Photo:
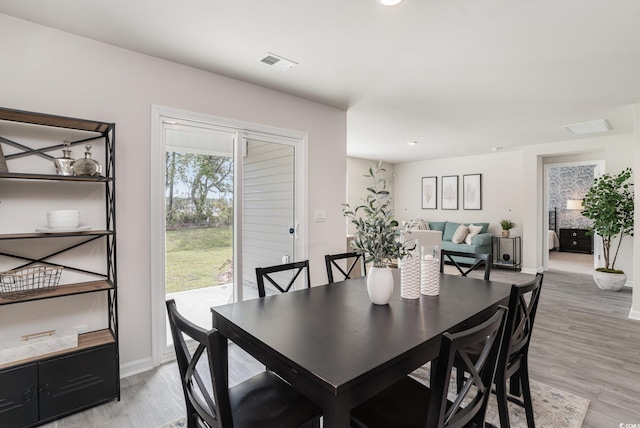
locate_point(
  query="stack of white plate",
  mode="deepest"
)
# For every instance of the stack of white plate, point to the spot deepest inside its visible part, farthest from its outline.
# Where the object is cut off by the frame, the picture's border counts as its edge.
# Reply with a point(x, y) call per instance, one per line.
point(63, 219)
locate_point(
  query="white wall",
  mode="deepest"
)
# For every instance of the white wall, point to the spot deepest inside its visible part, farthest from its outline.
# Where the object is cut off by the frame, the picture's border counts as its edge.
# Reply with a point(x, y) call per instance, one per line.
point(501, 189)
point(635, 305)
point(49, 71)
point(357, 183)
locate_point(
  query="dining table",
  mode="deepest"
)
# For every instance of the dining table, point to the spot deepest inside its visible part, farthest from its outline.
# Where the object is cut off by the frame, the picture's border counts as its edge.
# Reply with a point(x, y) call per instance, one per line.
point(339, 349)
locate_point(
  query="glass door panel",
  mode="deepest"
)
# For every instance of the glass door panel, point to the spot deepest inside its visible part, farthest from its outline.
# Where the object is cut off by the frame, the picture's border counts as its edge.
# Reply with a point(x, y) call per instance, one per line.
point(268, 209)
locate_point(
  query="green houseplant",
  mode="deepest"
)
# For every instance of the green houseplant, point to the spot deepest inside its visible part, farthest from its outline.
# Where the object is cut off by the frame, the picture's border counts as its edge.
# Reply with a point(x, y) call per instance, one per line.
point(609, 204)
point(376, 232)
point(506, 226)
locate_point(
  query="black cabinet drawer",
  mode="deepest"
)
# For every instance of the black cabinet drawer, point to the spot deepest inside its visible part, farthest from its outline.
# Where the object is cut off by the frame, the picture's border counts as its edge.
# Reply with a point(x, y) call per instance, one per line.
point(576, 241)
point(79, 380)
point(19, 396)
point(574, 233)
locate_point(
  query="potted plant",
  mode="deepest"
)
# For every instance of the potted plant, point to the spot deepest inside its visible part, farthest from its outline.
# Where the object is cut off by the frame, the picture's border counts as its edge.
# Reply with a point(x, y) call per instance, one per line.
point(506, 226)
point(377, 236)
point(609, 204)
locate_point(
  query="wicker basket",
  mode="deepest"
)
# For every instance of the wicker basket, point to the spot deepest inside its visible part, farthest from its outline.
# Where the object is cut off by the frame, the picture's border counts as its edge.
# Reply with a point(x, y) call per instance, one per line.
point(28, 281)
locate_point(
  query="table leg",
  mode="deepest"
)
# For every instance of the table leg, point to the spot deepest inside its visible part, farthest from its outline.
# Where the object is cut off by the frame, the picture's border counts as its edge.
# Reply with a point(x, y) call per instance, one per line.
point(336, 413)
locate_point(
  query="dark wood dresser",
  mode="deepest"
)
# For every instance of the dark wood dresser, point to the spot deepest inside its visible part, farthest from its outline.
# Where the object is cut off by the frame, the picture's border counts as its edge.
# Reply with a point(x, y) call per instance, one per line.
point(576, 241)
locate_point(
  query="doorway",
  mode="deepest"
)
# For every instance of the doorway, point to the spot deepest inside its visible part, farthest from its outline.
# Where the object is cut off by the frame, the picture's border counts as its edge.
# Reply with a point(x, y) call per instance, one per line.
point(566, 185)
point(227, 198)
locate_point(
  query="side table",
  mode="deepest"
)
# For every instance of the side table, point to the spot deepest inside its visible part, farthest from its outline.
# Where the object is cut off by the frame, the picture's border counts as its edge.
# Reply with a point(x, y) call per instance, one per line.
point(509, 259)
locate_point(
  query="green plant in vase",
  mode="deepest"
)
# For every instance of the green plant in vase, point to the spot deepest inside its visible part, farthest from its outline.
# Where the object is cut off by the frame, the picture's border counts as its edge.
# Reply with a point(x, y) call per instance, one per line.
point(609, 204)
point(506, 226)
point(377, 235)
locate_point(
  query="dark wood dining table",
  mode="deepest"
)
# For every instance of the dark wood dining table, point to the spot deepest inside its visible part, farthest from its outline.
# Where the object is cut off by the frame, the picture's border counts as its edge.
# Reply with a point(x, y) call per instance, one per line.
point(332, 344)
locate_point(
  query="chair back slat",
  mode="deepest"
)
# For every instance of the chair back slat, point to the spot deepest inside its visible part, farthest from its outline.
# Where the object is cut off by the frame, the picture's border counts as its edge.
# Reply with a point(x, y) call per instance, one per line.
point(354, 259)
point(522, 313)
point(488, 335)
point(448, 256)
point(297, 268)
point(212, 407)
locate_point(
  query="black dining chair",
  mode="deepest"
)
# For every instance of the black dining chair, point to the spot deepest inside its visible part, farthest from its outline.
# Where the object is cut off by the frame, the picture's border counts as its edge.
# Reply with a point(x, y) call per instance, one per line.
point(447, 256)
point(408, 403)
point(513, 364)
point(353, 259)
point(296, 269)
point(264, 400)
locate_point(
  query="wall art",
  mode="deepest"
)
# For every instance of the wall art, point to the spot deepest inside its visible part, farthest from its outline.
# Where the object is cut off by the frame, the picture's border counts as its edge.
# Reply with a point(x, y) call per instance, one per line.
point(472, 192)
point(450, 192)
point(429, 193)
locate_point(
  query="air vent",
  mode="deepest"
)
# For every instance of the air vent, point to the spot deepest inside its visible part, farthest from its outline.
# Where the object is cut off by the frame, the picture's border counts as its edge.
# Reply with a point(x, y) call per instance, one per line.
point(278, 62)
point(583, 128)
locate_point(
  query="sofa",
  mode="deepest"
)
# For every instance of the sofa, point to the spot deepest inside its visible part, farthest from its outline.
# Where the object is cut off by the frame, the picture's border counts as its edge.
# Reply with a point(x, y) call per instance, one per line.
point(479, 243)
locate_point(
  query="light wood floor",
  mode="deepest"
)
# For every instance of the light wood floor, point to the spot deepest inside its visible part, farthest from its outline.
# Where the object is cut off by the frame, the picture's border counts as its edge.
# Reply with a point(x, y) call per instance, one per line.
point(583, 343)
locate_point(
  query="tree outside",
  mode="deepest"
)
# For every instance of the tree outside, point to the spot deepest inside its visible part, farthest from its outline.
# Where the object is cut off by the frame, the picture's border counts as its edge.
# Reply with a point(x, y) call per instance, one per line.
point(199, 219)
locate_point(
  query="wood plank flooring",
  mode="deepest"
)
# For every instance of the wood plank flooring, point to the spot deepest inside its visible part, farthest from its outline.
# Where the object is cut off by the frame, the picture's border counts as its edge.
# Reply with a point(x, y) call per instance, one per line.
point(583, 343)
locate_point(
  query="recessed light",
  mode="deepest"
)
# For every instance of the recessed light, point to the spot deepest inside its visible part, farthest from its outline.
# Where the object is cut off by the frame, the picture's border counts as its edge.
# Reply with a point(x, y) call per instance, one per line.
point(412, 143)
point(497, 149)
point(389, 2)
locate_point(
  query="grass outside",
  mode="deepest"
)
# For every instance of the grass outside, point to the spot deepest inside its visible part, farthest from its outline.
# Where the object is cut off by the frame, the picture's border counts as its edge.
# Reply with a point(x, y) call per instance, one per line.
point(197, 258)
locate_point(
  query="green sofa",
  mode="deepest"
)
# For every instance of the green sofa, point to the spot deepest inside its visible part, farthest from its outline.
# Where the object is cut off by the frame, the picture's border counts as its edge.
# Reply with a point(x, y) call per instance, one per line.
point(481, 243)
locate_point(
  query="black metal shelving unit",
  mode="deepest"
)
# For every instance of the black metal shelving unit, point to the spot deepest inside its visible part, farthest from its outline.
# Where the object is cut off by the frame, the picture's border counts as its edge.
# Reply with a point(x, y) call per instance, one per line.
point(41, 389)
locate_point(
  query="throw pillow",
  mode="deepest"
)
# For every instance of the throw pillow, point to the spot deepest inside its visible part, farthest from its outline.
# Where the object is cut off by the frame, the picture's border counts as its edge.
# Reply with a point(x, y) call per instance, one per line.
point(473, 231)
point(422, 225)
point(460, 234)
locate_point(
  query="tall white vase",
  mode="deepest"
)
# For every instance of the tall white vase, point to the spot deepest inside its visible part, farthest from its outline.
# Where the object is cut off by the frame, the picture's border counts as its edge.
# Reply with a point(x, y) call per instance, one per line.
point(380, 285)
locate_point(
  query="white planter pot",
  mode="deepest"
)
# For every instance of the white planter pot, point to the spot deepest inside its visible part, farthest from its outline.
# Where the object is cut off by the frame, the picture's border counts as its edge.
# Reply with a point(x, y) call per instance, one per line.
point(609, 281)
point(380, 285)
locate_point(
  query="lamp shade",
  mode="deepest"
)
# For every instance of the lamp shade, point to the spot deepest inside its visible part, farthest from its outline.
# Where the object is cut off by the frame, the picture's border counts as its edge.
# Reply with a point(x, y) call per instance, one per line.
point(574, 204)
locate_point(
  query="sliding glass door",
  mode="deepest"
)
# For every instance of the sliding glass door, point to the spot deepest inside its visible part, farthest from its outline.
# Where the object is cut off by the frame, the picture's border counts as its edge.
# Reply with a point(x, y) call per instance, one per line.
point(227, 200)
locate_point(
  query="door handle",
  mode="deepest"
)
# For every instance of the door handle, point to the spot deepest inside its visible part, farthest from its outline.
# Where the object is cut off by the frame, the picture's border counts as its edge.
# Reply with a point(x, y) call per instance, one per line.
point(293, 230)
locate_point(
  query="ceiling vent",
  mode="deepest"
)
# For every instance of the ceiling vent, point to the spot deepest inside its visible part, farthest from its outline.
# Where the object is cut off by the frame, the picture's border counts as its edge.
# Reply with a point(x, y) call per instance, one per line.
point(593, 127)
point(278, 62)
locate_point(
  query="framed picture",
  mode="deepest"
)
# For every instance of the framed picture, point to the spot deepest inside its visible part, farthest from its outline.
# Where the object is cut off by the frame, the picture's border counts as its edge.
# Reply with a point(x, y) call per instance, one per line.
point(429, 193)
point(472, 192)
point(450, 192)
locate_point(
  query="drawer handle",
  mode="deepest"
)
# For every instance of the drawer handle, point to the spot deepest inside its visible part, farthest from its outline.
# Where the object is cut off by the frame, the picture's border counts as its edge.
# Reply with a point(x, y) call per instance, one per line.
point(575, 234)
point(29, 395)
point(574, 243)
point(44, 391)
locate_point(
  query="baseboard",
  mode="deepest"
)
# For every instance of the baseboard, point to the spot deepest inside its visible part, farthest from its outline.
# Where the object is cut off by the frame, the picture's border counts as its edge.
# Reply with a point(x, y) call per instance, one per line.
point(135, 367)
point(634, 314)
point(530, 271)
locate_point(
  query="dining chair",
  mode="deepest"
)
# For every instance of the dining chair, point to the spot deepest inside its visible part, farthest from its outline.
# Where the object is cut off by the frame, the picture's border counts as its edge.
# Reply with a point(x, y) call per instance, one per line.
point(264, 400)
point(353, 259)
point(447, 256)
point(409, 403)
point(513, 364)
point(296, 268)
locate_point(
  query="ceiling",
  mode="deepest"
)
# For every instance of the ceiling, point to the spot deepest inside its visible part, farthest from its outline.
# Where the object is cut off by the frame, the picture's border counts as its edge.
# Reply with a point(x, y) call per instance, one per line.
point(457, 76)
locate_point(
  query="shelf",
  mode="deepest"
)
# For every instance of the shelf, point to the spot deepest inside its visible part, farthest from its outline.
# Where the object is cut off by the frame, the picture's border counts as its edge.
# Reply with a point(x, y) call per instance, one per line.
point(53, 120)
point(503, 263)
point(36, 235)
point(62, 290)
point(52, 177)
point(85, 341)
point(96, 355)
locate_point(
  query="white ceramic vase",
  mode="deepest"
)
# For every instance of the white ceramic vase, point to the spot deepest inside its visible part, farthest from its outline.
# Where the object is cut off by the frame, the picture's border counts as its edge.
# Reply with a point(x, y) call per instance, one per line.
point(609, 281)
point(380, 285)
